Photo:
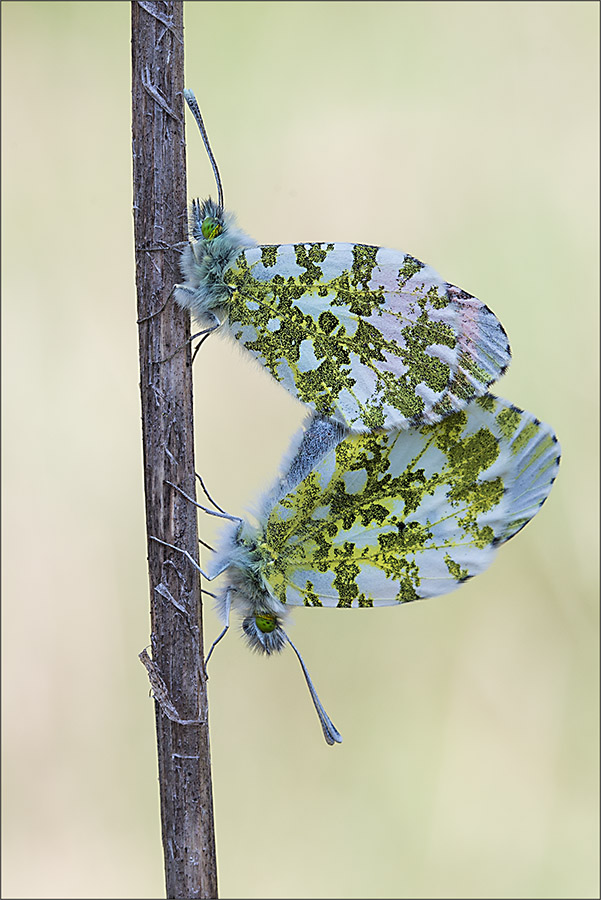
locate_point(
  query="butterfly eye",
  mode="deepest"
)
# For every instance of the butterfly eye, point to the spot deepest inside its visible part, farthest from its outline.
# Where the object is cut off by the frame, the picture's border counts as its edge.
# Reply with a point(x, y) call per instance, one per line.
point(211, 228)
point(264, 633)
point(266, 624)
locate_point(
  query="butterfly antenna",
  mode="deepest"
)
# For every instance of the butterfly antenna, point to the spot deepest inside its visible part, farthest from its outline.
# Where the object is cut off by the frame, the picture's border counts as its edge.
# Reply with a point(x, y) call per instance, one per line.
point(195, 110)
point(330, 732)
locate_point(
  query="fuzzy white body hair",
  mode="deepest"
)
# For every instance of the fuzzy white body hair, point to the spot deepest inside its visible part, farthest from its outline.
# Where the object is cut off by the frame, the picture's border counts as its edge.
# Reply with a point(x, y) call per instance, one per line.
point(239, 550)
point(204, 262)
point(239, 545)
point(312, 441)
point(244, 560)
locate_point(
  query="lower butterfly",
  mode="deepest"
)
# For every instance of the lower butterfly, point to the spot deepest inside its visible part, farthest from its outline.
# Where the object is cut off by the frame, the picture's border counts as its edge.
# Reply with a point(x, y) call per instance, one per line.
point(364, 335)
point(384, 518)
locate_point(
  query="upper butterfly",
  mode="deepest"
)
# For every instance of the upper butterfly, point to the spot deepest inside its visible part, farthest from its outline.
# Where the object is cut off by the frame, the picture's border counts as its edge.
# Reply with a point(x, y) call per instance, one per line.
point(366, 336)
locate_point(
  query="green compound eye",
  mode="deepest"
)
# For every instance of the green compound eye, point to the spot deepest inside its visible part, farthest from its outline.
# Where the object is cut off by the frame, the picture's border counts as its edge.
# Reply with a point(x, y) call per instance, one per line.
point(266, 624)
point(211, 228)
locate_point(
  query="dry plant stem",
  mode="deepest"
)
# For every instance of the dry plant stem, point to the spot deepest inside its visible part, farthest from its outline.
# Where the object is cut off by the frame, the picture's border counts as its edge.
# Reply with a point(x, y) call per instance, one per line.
point(176, 670)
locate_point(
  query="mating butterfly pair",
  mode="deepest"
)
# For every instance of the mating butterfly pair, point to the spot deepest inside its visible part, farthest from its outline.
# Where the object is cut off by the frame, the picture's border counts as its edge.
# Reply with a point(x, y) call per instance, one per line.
point(409, 474)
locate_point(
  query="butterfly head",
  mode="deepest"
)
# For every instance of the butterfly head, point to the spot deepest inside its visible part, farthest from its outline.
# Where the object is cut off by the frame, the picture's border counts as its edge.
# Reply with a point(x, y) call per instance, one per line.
point(208, 220)
point(264, 633)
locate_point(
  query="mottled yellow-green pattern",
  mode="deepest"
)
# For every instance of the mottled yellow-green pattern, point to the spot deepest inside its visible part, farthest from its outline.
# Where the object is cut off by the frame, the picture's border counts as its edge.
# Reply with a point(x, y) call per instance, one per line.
point(370, 337)
point(390, 517)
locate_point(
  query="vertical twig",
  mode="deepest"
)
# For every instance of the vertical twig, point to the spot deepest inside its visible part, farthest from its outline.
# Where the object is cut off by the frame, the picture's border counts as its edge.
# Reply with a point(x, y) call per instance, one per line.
point(176, 668)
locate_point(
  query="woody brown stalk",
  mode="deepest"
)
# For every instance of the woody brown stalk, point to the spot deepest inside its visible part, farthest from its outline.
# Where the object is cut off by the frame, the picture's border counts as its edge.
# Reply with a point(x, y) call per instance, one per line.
point(176, 669)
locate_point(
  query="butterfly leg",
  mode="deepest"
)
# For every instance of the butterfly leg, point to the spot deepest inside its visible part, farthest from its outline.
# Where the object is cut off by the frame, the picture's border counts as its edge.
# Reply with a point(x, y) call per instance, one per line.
point(206, 331)
point(203, 335)
point(210, 512)
point(227, 608)
point(158, 312)
point(190, 558)
point(207, 495)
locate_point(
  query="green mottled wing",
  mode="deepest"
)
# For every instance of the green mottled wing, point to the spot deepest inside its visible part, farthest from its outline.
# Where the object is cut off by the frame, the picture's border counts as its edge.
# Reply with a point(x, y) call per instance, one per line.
point(366, 336)
point(390, 517)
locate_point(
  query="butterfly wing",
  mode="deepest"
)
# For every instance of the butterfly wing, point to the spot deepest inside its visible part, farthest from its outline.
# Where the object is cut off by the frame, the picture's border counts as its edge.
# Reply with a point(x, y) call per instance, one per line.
point(390, 517)
point(369, 337)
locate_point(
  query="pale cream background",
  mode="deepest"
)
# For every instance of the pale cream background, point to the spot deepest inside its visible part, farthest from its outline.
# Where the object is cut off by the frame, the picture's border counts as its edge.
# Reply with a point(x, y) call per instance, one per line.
point(464, 133)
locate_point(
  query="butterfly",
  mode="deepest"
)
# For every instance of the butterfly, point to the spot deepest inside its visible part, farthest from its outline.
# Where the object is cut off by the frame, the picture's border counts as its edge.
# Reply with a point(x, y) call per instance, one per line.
point(367, 336)
point(382, 518)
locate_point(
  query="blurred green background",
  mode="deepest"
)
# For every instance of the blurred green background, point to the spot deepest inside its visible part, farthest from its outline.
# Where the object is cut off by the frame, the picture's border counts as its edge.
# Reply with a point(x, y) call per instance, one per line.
point(464, 133)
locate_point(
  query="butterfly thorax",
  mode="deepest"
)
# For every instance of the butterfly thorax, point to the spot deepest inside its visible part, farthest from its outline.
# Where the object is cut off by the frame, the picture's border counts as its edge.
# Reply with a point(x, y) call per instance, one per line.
point(262, 622)
point(247, 582)
point(215, 242)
